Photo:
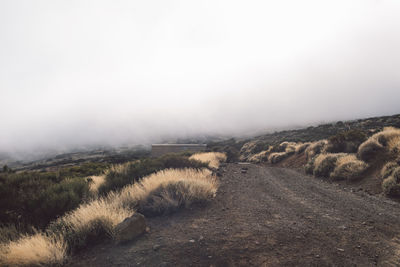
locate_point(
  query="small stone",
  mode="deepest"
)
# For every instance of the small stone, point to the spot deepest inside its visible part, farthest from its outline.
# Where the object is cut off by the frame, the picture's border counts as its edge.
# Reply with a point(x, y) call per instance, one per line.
point(156, 247)
point(210, 257)
point(340, 249)
point(192, 241)
point(201, 238)
point(317, 256)
point(257, 243)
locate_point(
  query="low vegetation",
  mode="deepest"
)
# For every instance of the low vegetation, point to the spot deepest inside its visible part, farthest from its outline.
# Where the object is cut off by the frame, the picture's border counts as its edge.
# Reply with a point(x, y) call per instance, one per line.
point(213, 159)
point(348, 167)
point(386, 141)
point(162, 192)
point(120, 175)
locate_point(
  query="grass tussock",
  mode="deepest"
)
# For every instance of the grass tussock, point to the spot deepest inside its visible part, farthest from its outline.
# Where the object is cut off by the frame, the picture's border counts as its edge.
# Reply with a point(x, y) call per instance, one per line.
point(158, 193)
point(391, 185)
point(315, 148)
point(277, 157)
point(301, 147)
point(348, 167)
point(261, 157)
point(168, 190)
point(324, 164)
point(95, 182)
point(36, 250)
point(388, 169)
point(388, 141)
point(213, 159)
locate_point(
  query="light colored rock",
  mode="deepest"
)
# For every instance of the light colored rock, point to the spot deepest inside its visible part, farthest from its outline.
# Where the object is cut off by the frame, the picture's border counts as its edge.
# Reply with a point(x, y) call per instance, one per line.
point(130, 228)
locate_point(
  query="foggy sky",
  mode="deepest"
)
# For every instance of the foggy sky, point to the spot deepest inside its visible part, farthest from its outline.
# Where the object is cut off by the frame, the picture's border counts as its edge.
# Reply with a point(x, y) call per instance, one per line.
point(79, 72)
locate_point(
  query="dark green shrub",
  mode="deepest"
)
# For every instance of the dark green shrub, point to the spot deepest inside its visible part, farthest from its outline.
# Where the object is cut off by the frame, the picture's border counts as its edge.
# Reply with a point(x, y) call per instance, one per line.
point(347, 142)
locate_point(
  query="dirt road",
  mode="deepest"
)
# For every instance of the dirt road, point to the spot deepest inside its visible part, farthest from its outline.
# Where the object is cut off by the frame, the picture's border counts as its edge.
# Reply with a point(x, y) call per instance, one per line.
point(266, 217)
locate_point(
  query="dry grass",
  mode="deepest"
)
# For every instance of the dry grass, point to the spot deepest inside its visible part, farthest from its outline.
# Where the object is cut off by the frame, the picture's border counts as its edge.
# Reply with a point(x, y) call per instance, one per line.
point(277, 157)
point(36, 250)
point(157, 193)
point(260, 157)
point(95, 183)
point(348, 167)
point(324, 164)
point(315, 148)
point(212, 158)
point(387, 140)
point(388, 169)
point(167, 190)
point(391, 185)
point(301, 147)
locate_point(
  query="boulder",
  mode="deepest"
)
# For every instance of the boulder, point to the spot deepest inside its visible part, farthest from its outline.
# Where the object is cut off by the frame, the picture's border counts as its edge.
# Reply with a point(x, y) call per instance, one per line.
point(130, 228)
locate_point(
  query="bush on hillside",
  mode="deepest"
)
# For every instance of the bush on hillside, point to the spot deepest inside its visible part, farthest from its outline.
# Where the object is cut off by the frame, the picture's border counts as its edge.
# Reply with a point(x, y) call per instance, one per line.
point(348, 167)
point(315, 148)
point(277, 157)
point(324, 164)
point(391, 185)
point(388, 169)
point(387, 141)
point(301, 147)
point(213, 159)
point(347, 142)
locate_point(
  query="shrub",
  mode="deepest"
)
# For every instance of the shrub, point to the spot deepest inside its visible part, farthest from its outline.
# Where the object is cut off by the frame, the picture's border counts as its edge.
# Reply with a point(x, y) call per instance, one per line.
point(8, 232)
point(213, 159)
point(347, 141)
point(325, 163)
point(315, 148)
point(369, 149)
point(260, 157)
point(301, 147)
point(388, 140)
point(39, 249)
point(388, 169)
point(167, 190)
point(250, 148)
point(277, 157)
point(391, 185)
point(348, 167)
point(89, 223)
point(95, 182)
point(120, 175)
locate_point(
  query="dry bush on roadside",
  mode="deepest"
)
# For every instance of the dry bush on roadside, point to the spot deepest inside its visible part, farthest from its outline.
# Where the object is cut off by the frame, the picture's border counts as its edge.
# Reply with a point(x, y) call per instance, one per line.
point(90, 222)
point(315, 148)
point(388, 140)
point(348, 167)
point(301, 147)
point(212, 158)
point(388, 169)
point(158, 193)
point(250, 148)
point(36, 250)
point(277, 157)
point(391, 185)
point(167, 190)
point(262, 156)
point(325, 163)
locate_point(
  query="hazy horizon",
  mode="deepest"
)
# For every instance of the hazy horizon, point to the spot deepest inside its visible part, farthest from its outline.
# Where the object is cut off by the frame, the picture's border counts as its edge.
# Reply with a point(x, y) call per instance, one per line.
point(85, 73)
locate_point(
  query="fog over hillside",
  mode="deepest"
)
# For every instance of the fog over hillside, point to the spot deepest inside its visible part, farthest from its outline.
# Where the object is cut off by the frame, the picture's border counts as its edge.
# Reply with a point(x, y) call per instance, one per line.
point(82, 73)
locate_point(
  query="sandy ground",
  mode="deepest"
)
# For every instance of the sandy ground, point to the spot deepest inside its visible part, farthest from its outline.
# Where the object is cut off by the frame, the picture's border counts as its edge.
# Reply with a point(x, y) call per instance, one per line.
point(268, 216)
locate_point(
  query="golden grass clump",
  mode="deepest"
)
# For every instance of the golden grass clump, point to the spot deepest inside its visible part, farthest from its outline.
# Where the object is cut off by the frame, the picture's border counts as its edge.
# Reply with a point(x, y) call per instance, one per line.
point(391, 185)
point(387, 140)
point(277, 157)
point(315, 148)
point(95, 182)
point(167, 190)
point(388, 169)
point(35, 250)
point(348, 167)
point(324, 164)
point(212, 158)
point(260, 157)
point(301, 147)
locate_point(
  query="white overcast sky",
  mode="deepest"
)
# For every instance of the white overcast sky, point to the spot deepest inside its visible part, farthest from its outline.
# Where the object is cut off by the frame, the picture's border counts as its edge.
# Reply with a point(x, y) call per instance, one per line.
point(111, 72)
